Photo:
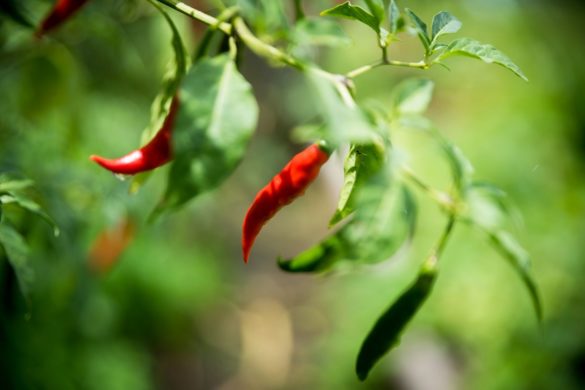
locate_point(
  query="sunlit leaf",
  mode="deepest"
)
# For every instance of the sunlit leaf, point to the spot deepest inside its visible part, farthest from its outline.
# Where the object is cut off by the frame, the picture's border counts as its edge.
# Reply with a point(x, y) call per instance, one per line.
point(393, 17)
point(487, 53)
point(412, 96)
point(354, 12)
point(386, 331)
point(421, 29)
point(510, 249)
point(17, 251)
point(311, 31)
point(7, 184)
point(444, 23)
point(216, 119)
point(345, 121)
point(361, 162)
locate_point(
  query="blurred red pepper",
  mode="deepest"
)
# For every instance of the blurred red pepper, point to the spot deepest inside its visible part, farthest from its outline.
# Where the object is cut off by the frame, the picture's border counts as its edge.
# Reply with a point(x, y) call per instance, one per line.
point(109, 245)
point(61, 11)
point(286, 186)
point(152, 155)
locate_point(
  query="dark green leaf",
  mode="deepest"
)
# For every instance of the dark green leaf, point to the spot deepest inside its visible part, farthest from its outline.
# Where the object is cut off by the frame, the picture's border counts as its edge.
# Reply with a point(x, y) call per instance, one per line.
point(17, 250)
point(349, 11)
point(412, 96)
point(15, 10)
point(324, 32)
point(421, 29)
point(361, 162)
point(507, 245)
point(386, 332)
point(216, 119)
point(444, 23)
point(487, 53)
point(345, 121)
point(30, 205)
point(461, 168)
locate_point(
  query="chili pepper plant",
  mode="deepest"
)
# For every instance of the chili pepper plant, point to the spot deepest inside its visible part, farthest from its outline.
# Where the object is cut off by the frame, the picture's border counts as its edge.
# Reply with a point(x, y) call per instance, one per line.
point(206, 114)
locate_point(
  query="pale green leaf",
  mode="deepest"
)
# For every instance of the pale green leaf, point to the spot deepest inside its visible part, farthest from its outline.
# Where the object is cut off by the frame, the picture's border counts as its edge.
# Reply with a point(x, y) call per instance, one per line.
point(487, 53)
point(311, 31)
point(444, 23)
point(361, 162)
point(354, 12)
point(421, 29)
point(510, 249)
point(412, 96)
point(345, 121)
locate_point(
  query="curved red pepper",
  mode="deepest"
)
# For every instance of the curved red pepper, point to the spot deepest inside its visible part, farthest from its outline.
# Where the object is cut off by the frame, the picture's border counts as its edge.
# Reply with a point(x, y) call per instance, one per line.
point(152, 155)
point(61, 11)
point(286, 186)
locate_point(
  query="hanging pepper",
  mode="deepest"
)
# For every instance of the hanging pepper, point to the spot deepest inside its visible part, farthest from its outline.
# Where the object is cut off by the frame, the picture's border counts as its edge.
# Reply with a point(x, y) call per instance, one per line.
point(154, 154)
point(61, 11)
point(286, 186)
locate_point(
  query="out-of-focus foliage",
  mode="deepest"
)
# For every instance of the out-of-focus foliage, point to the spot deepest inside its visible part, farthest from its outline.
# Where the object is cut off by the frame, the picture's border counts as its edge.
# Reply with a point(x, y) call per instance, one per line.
point(179, 310)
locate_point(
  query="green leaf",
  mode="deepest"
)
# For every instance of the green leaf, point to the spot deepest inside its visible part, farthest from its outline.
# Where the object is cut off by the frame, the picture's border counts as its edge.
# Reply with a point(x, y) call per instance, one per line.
point(354, 12)
point(266, 16)
point(345, 121)
point(216, 119)
point(15, 10)
point(376, 8)
point(8, 185)
point(412, 96)
point(461, 168)
point(510, 249)
point(386, 332)
point(421, 29)
point(311, 31)
point(31, 206)
point(444, 23)
point(17, 251)
point(161, 104)
point(361, 162)
point(384, 218)
point(487, 53)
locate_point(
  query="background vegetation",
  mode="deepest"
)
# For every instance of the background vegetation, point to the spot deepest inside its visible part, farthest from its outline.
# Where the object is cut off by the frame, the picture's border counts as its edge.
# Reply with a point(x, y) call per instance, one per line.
point(180, 309)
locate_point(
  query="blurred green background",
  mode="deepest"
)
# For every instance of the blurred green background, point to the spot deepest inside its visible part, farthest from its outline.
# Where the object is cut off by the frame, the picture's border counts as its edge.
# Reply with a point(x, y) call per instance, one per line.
point(180, 310)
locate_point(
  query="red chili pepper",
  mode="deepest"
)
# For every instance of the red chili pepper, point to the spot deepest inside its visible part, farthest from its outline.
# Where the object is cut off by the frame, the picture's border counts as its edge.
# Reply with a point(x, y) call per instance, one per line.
point(286, 186)
point(61, 11)
point(154, 154)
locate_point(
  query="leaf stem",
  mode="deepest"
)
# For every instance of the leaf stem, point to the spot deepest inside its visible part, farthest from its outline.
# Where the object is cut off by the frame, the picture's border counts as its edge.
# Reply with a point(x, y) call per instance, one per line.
point(261, 48)
point(199, 15)
point(366, 68)
point(442, 198)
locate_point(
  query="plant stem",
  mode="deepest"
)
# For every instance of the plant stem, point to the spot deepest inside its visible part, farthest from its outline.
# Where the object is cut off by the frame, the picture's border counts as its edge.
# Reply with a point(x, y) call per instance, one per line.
point(366, 68)
point(442, 198)
point(199, 15)
point(261, 48)
point(299, 13)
